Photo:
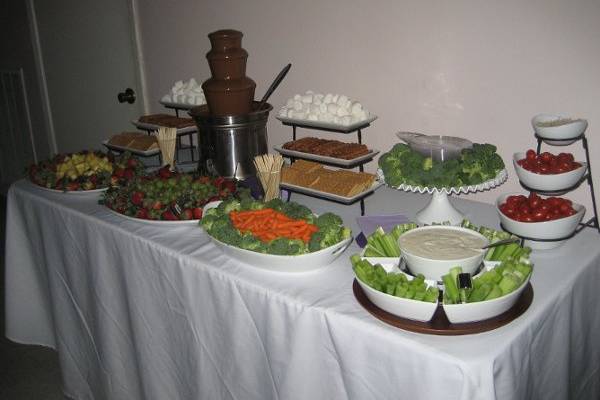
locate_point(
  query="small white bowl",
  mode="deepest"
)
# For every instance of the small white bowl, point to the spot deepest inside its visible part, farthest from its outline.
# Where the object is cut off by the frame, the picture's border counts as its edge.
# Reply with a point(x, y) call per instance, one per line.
point(548, 182)
point(405, 308)
point(546, 230)
point(435, 268)
point(471, 312)
point(570, 130)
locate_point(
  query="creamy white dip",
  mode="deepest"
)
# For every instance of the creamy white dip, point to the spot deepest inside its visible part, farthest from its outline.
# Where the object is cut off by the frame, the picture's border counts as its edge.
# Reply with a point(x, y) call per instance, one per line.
point(441, 243)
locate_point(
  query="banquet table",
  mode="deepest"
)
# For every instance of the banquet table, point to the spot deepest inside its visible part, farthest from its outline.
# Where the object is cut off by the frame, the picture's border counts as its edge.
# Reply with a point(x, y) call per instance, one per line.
point(140, 311)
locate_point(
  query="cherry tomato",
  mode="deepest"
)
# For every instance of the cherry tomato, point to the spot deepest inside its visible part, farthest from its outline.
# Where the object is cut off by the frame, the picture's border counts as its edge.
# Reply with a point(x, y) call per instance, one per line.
point(531, 155)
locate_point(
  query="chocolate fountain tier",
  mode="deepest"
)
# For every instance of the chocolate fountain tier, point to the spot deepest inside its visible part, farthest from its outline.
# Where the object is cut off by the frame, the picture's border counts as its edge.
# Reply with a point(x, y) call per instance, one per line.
point(229, 96)
point(224, 40)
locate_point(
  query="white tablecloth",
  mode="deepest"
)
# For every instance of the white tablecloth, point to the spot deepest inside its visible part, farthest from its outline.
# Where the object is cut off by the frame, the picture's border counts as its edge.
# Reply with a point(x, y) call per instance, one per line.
point(141, 312)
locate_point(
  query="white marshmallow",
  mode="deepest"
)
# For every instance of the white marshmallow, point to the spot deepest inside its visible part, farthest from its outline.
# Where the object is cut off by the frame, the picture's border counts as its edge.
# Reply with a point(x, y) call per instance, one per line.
point(315, 109)
point(283, 112)
point(297, 97)
point(323, 108)
point(341, 101)
point(346, 120)
point(313, 117)
point(290, 103)
point(335, 97)
point(356, 108)
point(309, 92)
point(290, 113)
point(166, 98)
point(341, 111)
point(317, 100)
point(297, 105)
point(332, 108)
point(308, 98)
point(327, 98)
point(336, 120)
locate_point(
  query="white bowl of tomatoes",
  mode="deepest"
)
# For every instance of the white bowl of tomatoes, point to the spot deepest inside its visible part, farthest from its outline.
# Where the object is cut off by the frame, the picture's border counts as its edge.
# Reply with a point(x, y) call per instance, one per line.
point(539, 218)
point(564, 130)
point(548, 172)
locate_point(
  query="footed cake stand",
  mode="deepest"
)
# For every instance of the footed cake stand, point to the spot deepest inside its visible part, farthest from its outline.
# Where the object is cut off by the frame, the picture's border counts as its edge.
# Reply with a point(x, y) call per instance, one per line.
point(439, 209)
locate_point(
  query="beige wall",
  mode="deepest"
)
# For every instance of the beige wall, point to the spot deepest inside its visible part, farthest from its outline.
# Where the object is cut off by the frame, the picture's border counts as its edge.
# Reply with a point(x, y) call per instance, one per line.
point(477, 69)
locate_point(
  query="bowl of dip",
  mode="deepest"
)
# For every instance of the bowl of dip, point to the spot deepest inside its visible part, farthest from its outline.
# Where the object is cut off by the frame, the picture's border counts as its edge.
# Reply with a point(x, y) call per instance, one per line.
point(433, 250)
point(563, 129)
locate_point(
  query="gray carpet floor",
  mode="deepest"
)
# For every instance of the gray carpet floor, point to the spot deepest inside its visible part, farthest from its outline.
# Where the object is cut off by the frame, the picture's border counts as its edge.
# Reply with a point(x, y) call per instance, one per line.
point(26, 372)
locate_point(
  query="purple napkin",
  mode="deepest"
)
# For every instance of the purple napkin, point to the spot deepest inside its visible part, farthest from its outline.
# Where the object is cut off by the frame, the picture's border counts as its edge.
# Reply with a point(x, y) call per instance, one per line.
point(368, 224)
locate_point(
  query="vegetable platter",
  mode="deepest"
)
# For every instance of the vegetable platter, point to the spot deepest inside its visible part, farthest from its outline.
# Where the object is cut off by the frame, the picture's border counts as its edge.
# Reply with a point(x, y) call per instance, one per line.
point(276, 236)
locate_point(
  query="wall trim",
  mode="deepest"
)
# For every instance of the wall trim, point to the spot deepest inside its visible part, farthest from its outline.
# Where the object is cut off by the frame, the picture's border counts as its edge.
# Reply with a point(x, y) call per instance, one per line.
point(39, 66)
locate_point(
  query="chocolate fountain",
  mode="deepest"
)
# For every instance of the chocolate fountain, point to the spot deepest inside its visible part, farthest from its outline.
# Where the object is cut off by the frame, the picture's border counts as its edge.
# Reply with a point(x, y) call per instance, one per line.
point(232, 129)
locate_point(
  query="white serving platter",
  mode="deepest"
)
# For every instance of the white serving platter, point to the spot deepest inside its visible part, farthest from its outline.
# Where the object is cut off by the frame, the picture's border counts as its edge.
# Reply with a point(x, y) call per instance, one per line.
point(330, 196)
point(156, 222)
point(325, 159)
point(144, 153)
point(70, 192)
point(328, 125)
point(154, 127)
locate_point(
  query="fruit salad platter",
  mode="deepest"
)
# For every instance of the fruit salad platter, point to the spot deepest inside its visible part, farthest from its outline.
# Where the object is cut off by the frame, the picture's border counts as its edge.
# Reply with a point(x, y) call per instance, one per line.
point(276, 236)
point(83, 172)
point(166, 197)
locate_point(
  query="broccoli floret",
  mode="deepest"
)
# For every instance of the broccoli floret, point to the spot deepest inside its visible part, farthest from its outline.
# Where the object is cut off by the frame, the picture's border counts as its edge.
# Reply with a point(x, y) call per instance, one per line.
point(210, 211)
point(250, 242)
point(480, 163)
point(427, 163)
point(228, 206)
point(276, 204)
point(296, 246)
point(249, 203)
point(297, 211)
point(207, 221)
point(314, 244)
point(280, 246)
point(221, 221)
point(328, 236)
point(328, 218)
point(227, 234)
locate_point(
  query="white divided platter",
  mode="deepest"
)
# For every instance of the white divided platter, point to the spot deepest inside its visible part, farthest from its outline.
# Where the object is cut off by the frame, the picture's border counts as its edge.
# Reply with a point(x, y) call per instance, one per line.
point(330, 196)
point(156, 222)
point(481, 310)
point(71, 192)
point(285, 264)
point(329, 125)
point(144, 153)
point(154, 127)
point(406, 308)
point(325, 159)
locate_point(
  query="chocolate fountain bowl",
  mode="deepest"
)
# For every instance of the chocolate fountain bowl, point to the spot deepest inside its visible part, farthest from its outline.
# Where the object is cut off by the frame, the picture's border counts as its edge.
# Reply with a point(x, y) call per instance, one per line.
point(228, 144)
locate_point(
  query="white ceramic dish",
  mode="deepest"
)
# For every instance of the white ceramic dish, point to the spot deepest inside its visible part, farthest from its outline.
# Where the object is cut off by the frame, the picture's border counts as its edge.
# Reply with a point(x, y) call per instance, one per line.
point(330, 196)
point(324, 159)
point(71, 192)
point(285, 264)
point(156, 222)
point(565, 131)
point(548, 182)
point(405, 308)
point(143, 153)
point(471, 312)
point(555, 229)
point(390, 264)
point(434, 269)
point(329, 126)
point(154, 127)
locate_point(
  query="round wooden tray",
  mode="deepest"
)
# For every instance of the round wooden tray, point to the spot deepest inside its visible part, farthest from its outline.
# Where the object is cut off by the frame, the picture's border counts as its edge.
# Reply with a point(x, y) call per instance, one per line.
point(439, 324)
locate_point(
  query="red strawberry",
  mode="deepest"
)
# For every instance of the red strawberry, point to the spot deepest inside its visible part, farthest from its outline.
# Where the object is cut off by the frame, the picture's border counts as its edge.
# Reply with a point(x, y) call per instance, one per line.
point(164, 172)
point(197, 212)
point(132, 162)
point(73, 186)
point(203, 179)
point(129, 174)
point(119, 172)
point(137, 198)
point(157, 205)
point(169, 216)
point(187, 214)
point(142, 213)
point(218, 181)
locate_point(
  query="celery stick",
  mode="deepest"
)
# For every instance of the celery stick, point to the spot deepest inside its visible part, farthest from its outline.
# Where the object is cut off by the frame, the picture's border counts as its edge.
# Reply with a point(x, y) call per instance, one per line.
point(494, 293)
point(371, 251)
point(431, 295)
point(390, 287)
point(480, 293)
point(509, 283)
point(400, 290)
point(450, 288)
point(419, 296)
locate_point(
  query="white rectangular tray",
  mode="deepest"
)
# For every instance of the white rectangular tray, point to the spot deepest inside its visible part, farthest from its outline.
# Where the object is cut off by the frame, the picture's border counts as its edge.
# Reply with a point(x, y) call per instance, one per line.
point(154, 127)
point(325, 159)
point(329, 126)
point(144, 153)
point(331, 196)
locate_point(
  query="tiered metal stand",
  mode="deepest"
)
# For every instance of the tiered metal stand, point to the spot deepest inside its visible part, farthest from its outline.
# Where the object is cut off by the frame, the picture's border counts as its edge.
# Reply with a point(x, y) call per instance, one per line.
point(592, 222)
point(360, 164)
